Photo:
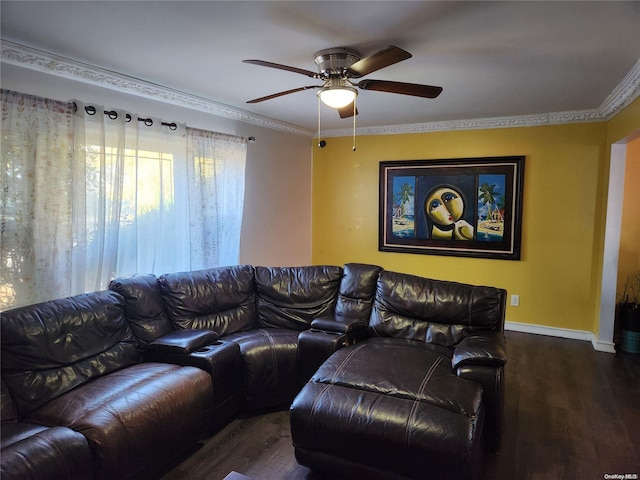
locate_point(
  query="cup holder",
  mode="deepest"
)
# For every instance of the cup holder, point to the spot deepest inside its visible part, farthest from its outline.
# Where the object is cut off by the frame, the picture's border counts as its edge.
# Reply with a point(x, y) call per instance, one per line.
point(316, 330)
point(209, 347)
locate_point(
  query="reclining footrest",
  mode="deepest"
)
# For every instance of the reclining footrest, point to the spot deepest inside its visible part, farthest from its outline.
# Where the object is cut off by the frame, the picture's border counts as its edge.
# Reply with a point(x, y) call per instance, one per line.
point(392, 408)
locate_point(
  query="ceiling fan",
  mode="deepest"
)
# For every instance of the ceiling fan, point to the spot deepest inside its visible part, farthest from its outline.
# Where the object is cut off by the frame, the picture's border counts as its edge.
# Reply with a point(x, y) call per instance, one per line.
point(336, 68)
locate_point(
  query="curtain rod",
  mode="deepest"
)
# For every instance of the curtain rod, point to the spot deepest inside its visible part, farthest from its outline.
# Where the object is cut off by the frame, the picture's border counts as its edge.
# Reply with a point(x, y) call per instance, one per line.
point(112, 114)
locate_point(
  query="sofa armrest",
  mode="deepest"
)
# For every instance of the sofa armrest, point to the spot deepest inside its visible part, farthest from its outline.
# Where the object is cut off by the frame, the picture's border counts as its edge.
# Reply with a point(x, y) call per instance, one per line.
point(34, 451)
point(340, 324)
point(222, 360)
point(183, 341)
point(482, 349)
point(492, 380)
point(327, 334)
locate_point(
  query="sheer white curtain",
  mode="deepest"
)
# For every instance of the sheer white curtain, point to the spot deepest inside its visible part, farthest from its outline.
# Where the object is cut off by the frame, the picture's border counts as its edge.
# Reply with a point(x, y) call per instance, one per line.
point(35, 199)
point(88, 197)
point(216, 173)
point(129, 210)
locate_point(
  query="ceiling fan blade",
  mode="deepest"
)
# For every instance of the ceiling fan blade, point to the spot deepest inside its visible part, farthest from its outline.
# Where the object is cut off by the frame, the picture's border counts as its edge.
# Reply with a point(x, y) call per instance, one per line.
point(376, 61)
point(301, 71)
point(280, 94)
point(414, 89)
point(346, 112)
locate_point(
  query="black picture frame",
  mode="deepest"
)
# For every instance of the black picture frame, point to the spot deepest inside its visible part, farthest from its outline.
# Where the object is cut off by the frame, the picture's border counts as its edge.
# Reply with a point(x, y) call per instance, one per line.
point(465, 207)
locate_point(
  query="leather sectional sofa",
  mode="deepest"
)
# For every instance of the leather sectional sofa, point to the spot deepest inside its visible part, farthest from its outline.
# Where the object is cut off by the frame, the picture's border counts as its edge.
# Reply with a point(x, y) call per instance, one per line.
point(120, 383)
point(419, 395)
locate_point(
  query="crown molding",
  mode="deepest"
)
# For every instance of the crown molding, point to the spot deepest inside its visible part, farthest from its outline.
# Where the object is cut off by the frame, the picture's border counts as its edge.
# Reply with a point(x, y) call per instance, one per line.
point(625, 93)
point(475, 124)
point(621, 96)
point(34, 59)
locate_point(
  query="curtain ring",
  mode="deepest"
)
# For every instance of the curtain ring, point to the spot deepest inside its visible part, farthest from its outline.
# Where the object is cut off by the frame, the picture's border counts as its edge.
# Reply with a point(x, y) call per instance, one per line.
point(127, 118)
point(148, 122)
point(112, 114)
point(91, 110)
point(173, 126)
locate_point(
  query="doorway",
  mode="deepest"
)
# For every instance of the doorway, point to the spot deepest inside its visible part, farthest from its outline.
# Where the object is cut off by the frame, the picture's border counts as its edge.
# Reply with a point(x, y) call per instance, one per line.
point(613, 228)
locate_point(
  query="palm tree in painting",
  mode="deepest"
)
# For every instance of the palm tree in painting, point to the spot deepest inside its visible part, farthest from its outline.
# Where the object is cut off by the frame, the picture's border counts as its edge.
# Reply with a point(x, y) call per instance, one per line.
point(501, 204)
point(403, 196)
point(488, 195)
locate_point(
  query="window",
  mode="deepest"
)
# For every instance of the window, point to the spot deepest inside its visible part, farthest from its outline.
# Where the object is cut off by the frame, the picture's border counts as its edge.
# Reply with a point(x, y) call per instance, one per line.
point(86, 198)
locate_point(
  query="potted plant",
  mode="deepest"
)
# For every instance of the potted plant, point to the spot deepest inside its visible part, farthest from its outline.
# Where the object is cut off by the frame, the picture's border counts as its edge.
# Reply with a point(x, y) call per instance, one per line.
point(630, 315)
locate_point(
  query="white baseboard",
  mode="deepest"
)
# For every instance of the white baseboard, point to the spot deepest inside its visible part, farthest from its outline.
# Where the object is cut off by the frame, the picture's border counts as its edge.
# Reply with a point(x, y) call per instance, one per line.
point(583, 335)
point(599, 345)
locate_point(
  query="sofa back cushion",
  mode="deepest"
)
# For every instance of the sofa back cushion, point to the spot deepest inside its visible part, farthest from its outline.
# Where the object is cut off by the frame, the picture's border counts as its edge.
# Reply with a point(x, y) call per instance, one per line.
point(143, 307)
point(52, 347)
point(219, 299)
point(357, 290)
point(292, 297)
point(434, 311)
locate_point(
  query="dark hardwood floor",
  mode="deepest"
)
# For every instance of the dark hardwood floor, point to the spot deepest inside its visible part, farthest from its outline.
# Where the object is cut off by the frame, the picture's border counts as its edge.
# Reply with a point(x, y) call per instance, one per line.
point(570, 413)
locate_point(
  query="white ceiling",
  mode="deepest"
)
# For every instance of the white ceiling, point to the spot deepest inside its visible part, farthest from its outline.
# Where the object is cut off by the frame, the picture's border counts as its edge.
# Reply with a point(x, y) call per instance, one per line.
point(493, 59)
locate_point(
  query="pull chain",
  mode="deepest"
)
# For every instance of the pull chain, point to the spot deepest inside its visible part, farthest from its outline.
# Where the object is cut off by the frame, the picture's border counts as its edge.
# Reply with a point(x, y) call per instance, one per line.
point(354, 125)
point(319, 136)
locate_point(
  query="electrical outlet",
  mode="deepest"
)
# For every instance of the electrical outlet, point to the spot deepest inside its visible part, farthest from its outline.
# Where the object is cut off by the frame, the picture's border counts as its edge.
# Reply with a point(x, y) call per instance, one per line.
point(515, 300)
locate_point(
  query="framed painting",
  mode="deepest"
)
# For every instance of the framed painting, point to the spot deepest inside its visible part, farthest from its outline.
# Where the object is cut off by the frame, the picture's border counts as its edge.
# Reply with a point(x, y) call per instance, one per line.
point(469, 207)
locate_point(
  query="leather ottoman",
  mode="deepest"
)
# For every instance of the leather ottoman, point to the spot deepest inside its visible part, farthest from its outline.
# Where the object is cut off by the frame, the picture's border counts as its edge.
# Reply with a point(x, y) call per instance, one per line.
point(389, 408)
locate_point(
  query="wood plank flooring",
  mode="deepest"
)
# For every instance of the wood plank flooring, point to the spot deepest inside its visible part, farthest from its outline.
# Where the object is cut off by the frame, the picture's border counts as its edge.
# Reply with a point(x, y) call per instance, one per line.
point(571, 413)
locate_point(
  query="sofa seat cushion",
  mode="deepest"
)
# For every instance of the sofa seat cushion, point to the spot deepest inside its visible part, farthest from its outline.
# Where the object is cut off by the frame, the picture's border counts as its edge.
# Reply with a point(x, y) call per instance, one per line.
point(36, 451)
point(347, 431)
point(13, 432)
point(391, 405)
point(400, 368)
point(269, 366)
point(136, 419)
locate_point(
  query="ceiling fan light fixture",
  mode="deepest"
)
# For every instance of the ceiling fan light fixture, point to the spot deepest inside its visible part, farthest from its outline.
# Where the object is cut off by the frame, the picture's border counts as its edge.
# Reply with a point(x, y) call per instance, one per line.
point(337, 96)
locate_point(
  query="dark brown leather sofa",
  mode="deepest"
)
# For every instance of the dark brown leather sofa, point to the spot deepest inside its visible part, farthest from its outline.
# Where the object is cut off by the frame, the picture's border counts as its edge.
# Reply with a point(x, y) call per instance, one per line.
point(117, 384)
point(420, 392)
point(257, 314)
point(73, 365)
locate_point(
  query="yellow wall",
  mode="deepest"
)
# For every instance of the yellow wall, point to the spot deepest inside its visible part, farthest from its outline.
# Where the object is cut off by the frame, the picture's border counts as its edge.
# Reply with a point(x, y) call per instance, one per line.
point(558, 274)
